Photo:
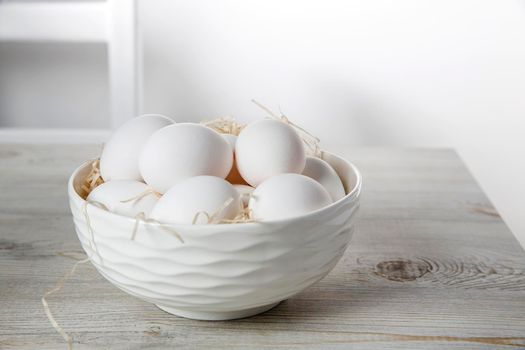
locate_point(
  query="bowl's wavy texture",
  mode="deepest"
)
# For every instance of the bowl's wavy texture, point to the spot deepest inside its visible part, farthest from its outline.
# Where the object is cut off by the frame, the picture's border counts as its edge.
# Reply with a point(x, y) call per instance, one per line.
point(220, 271)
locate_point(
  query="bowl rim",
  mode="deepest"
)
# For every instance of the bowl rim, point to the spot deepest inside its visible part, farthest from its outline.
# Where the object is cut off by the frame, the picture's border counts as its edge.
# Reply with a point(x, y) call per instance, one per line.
point(354, 192)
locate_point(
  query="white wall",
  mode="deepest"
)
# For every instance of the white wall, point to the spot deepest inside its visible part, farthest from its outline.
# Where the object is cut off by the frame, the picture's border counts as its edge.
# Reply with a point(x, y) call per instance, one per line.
point(400, 73)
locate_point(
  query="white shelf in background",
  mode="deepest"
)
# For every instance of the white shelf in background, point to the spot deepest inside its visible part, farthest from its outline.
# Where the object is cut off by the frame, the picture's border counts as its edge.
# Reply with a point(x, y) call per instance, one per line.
point(54, 21)
point(70, 136)
point(113, 22)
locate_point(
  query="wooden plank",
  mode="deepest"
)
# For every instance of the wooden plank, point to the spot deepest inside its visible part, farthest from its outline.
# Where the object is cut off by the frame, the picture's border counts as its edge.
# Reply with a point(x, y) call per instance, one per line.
point(432, 266)
point(83, 21)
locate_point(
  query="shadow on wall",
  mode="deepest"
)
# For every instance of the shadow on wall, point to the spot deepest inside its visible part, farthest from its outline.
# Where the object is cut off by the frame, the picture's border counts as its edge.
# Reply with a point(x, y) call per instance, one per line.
point(354, 115)
point(185, 95)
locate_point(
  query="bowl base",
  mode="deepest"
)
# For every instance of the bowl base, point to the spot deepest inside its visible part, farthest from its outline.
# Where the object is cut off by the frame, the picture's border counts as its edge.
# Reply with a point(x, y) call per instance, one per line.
point(217, 316)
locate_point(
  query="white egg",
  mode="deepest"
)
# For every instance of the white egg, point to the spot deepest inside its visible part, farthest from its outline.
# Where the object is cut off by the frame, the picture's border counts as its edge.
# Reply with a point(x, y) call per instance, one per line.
point(287, 195)
point(244, 192)
point(204, 194)
point(120, 156)
point(115, 196)
point(184, 150)
point(322, 172)
point(233, 176)
point(266, 148)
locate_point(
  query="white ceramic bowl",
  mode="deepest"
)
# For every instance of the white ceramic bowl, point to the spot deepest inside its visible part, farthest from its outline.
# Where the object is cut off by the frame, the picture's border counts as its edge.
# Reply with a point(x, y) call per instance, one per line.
point(221, 271)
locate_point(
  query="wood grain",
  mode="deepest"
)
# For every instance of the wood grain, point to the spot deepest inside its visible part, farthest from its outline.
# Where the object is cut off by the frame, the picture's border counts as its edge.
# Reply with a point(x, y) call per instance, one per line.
point(432, 266)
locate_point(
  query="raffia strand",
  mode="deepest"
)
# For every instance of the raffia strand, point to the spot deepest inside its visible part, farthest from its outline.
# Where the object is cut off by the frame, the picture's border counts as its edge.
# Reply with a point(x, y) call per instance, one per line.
point(224, 125)
point(93, 179)
point(58, 287)
point(138, 197)
point(142, 217)
point(91, 232)
point(311, 141)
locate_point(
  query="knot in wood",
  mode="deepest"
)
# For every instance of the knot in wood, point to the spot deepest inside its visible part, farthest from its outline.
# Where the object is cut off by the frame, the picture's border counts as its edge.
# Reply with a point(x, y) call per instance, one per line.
point(401, 270)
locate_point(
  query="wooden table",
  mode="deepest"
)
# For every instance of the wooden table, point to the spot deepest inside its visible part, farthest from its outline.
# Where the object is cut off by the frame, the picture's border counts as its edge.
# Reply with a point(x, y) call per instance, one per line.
point(432, 266)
